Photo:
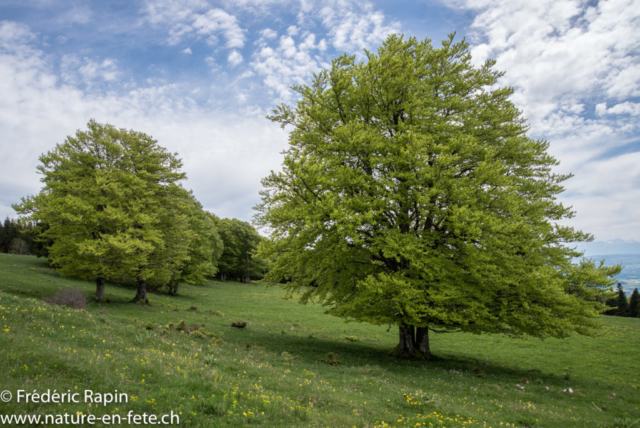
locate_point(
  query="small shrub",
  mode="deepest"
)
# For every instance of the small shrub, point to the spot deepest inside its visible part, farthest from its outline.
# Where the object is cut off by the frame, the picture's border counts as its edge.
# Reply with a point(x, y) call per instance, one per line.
point(181, 326)
point(332, 359)
point(198, 334)
point(287, 357)
point(352, 338)
point(170, 326)
point(239, 324)
point(477, 371)
point(526, 422)
point(69, 297)
point(150, 326)
point(139, 339)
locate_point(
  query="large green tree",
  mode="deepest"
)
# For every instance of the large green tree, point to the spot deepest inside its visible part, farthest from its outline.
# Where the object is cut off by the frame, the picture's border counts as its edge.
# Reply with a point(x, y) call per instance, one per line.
point(114, 208)
point(411, 195)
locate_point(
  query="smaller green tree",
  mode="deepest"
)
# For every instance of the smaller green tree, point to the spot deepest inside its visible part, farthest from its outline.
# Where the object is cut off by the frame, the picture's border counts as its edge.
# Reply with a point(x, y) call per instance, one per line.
point(104, 202)
point(204, 249)
point(240, 244)
point(623, 303)
point(634, 304)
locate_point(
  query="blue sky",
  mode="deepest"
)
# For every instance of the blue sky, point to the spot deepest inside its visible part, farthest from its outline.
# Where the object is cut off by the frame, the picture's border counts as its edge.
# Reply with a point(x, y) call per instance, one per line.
point(200, 76)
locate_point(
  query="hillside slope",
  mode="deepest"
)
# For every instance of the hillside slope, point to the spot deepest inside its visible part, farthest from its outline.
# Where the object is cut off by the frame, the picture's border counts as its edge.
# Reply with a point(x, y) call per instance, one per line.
point(271, 373)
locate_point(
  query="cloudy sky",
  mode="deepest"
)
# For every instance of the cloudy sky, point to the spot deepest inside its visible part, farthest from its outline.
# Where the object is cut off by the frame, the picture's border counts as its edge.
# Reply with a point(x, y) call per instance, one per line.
point(201, 75)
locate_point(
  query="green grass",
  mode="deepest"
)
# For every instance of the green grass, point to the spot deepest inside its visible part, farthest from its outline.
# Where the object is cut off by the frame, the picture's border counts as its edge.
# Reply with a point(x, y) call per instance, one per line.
point(271, 374)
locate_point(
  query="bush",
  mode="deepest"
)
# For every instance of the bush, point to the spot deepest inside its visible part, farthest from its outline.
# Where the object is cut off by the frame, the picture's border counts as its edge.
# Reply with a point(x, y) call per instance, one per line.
point(332, 359)
point(198, 334)
point(287, 357)
point(69, 297)
point(239, 324)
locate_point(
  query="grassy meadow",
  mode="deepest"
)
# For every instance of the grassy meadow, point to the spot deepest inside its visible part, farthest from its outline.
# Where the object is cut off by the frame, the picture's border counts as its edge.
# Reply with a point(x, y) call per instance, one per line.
point(274, 372)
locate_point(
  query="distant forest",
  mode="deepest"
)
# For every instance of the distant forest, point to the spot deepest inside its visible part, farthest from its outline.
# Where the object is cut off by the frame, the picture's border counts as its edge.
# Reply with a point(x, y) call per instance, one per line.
point(20, 239)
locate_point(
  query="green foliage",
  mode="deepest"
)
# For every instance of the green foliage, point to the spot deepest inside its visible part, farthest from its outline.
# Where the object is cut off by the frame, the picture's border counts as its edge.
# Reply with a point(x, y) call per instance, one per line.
point(240, 241)
point(331, 359)
point(410, 195)
point(114, 210)
point(199, 334)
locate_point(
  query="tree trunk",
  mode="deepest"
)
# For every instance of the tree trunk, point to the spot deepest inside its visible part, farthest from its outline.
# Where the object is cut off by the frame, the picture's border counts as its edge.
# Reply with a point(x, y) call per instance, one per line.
point(422, 342)
point(100, 289)
point(173, 289)
point(405, 347)
point(248, 267)
point(141, 294)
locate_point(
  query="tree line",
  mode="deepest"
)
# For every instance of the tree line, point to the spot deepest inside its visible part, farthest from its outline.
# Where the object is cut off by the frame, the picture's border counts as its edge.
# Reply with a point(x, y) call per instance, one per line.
point(19, 238)
point(113, 209)
point(622, 306)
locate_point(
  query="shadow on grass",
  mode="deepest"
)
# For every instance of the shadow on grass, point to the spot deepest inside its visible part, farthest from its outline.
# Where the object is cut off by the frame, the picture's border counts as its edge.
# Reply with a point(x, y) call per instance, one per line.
point(311, 350)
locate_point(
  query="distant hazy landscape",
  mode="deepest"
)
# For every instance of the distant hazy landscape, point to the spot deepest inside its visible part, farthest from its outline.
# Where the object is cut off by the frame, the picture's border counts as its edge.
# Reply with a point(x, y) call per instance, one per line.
point(630, 275)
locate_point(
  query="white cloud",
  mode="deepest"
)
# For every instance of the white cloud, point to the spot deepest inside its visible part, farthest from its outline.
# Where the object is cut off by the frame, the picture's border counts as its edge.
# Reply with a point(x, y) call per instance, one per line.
point(40, 110)
point(14, 36)
point(162, 11)
point(293, 58)
point(88, 71)
point(288, 64)
point(217, 20)
point(268, 33)
point(195, 18)
point(627, 107)
point(235, 58)
point(354, 26)
point(187, 51)
point(554, 50)
point(575, 68)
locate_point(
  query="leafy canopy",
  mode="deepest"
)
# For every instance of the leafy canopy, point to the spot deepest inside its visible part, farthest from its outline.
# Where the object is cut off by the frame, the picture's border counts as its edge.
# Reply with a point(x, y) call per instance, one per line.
point(411, 195)
point(115, 210)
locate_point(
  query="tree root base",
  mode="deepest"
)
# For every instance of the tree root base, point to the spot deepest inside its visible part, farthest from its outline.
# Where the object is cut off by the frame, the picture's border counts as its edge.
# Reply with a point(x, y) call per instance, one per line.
point(403, 354)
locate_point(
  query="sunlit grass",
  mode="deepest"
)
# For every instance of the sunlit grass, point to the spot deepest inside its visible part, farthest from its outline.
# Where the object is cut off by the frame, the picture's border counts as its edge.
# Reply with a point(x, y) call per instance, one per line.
point(271, 374)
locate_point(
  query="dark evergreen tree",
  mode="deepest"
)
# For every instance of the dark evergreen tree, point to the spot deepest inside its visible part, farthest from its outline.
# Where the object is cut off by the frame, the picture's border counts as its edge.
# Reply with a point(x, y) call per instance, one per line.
point(2, 237)
point(623, 303)
point(634, 304)
point(10, 232)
